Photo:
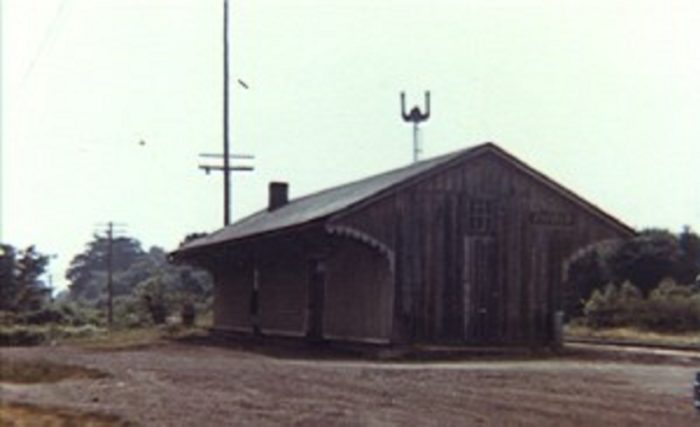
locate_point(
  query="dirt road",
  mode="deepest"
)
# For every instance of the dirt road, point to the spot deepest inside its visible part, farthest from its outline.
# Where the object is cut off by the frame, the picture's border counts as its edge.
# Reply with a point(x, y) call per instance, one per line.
point(194, 385)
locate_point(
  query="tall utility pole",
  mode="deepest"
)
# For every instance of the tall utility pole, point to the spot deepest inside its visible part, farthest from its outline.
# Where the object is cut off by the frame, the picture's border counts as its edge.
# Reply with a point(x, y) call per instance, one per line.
point(227, 155)
point(110, 290)
point(416, 117)
point(227, 177)
point(110, 268)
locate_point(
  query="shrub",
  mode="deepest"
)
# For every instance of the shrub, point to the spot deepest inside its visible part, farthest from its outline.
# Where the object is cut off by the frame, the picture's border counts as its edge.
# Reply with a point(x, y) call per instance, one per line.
point(669, 307)
point(58, 313)
point(79, 313)
point(27, 335)
point(672, 307)
point(48, 314)
point(22, 335)
point(615, 306)
point(7, 318)
point(130, 312)
point(85, 331)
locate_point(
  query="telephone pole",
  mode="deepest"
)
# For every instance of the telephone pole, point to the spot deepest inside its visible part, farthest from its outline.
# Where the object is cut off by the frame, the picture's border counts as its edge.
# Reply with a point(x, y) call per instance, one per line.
point(110, 289)
point(109, 231)
point(227, 177)
point(227, 169)
point(227, 156)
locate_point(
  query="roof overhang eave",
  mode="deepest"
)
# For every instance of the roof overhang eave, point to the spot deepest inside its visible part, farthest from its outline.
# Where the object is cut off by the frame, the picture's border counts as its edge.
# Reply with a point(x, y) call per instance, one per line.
point(183, 254)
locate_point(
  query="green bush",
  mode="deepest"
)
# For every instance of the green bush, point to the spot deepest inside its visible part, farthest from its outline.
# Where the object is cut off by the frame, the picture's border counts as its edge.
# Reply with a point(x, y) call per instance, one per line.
point(84, 331)
point(615, 306)
point(22, 336)
point(65, 313)
point(130, 312)
point(7, 318)
point(76, 313)
point(672, 307)
point(669, 307)
point(44, 315)
point(27, 335)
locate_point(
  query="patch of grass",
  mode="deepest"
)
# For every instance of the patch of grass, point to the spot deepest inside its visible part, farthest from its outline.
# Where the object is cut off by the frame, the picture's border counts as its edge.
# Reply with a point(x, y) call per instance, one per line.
point(629, 334)
point(27, 335)
point(118, 339)
point(26, 372)
point(22, 414)
point(205, 320)
point(125, 339)
point(94, 337)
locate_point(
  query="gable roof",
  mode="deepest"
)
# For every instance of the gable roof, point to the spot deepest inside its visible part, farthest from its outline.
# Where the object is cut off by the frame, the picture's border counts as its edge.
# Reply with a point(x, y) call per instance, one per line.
point(316, 206)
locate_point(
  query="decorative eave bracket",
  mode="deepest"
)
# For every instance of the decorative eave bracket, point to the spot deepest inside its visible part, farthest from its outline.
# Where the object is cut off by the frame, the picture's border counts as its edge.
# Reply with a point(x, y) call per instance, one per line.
point(353, 233)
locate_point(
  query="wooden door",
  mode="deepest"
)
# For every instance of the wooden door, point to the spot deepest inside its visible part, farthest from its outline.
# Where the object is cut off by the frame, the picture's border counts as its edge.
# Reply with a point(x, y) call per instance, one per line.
point(480, 289)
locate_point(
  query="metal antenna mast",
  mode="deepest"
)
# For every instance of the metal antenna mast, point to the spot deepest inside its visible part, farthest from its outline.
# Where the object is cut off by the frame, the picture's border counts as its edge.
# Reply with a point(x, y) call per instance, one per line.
point(415, 116)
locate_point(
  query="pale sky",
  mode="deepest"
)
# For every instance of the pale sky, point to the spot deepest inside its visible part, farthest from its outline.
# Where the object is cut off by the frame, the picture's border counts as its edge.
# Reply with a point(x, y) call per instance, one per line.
point(602, 96)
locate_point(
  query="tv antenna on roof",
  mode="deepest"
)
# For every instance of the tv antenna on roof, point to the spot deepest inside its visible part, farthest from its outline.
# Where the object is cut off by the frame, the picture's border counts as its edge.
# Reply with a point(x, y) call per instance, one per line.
point(415, 116)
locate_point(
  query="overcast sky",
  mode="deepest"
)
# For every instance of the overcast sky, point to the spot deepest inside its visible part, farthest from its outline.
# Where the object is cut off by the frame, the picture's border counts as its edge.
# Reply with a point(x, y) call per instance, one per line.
point(603, 96)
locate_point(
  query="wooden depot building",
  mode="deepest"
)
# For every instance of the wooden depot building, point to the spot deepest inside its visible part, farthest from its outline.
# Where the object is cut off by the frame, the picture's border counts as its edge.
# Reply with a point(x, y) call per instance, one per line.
point(465, 248)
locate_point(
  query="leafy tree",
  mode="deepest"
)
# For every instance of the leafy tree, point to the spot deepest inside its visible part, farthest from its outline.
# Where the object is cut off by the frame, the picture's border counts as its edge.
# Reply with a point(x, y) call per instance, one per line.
point(689, 260)
point(646, 259)
point(176, 279)
point(8, 284)
point(87, 272)
point(146, 285)
point(162, 287)
point(21, 287)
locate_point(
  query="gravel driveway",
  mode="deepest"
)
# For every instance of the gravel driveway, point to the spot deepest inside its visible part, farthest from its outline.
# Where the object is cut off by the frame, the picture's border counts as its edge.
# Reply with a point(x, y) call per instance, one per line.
point(198, 385)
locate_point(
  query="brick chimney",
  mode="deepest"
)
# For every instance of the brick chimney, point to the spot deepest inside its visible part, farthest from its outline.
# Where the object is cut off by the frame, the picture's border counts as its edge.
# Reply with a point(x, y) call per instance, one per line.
point(279, 195)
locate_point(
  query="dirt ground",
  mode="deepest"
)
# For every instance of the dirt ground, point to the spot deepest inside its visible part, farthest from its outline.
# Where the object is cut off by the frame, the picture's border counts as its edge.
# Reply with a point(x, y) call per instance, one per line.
point(179, 384)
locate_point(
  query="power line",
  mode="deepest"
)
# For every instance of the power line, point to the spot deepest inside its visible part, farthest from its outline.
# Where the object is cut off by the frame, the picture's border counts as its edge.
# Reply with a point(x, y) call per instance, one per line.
point(50, 32)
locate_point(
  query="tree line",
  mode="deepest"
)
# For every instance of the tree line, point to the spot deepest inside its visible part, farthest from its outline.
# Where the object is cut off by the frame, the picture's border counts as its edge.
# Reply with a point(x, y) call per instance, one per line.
point(651, 280)
point(147, 288)
point(21, 285)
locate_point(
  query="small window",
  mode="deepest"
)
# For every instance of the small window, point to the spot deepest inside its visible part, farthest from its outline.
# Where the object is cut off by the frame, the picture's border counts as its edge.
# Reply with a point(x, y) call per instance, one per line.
point(480, 216)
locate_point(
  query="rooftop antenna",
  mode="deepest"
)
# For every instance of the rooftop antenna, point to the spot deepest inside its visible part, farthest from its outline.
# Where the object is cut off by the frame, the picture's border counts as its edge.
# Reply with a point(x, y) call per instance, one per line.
point(415, 116)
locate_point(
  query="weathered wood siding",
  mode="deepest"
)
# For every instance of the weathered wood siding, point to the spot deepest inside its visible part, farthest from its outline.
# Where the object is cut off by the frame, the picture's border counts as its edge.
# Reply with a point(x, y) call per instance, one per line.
point(358, 293)
point(233, 285)
point(283, 288)
point(479, 252)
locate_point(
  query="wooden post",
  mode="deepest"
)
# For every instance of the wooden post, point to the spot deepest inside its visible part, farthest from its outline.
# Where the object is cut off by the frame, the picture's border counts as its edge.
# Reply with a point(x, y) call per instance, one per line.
point(558, 330)
point(697, 391)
